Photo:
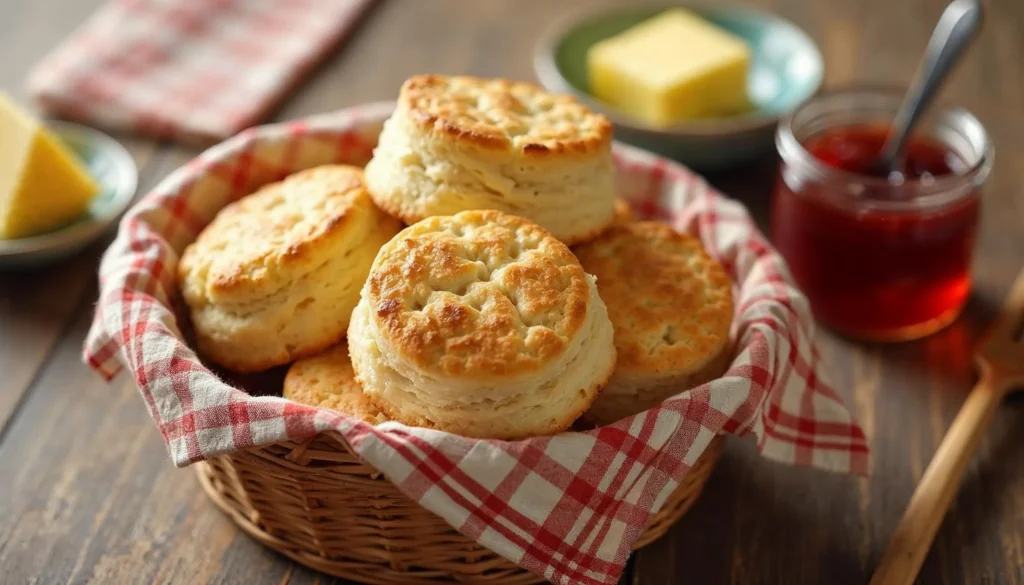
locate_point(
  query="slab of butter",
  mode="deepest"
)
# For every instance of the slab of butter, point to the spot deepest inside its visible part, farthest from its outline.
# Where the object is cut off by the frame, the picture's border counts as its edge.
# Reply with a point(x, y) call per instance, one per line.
point(42, 185)
point(671, 67)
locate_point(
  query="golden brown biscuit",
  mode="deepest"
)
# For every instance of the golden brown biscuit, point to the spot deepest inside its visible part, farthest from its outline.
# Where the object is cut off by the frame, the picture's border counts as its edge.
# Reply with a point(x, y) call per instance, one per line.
point(276, 274)
point(461, 143)
point(623, 211)
point(327, 380)
point(480, 324)
point(671, 306)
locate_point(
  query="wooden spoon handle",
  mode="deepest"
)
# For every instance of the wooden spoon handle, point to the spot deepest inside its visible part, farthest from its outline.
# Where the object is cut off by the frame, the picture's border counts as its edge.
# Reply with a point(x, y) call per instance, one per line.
point(931, 499)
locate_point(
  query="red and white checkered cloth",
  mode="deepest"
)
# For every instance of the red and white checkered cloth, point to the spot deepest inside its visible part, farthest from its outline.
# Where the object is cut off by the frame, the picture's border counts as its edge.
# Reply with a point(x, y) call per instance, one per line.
point(567, 507)
point(188, 70)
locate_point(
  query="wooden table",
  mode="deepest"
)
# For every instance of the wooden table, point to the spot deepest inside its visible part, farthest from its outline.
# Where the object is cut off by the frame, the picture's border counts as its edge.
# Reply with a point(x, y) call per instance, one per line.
point(87, 493)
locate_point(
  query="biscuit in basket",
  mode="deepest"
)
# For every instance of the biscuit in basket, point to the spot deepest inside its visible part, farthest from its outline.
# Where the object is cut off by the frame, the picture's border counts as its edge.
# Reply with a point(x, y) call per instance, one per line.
point(461, 143)
point(671, 306)
point(327, 380)
point(276, 274)
point(623, 211)
point(481, 324)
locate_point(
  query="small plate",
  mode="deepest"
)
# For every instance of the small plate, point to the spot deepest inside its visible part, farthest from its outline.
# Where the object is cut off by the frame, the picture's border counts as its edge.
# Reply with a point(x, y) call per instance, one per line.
point(786, 69)
point(112, 167)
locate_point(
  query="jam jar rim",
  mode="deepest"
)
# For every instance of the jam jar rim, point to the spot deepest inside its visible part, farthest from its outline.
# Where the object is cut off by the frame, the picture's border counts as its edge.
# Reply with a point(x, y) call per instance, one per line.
point(941, 191)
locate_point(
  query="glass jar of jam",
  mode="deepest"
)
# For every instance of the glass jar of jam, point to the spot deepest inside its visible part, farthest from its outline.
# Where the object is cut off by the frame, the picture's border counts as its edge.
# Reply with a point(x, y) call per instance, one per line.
point(881, 256)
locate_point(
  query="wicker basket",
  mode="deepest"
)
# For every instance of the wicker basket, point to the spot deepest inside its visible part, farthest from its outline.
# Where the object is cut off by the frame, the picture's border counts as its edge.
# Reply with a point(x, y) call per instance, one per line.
point(320, 504)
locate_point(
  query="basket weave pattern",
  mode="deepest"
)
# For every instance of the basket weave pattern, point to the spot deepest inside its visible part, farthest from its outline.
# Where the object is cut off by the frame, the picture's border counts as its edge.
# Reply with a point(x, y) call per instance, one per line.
point(318, 503)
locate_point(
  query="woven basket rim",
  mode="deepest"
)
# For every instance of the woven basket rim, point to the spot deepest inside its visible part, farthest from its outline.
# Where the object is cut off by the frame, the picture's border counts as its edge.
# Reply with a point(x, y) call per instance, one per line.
point(240, 491)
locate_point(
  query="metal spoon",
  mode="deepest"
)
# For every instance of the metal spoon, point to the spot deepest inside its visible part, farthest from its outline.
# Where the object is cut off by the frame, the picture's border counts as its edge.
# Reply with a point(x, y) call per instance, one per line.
point(957, 26)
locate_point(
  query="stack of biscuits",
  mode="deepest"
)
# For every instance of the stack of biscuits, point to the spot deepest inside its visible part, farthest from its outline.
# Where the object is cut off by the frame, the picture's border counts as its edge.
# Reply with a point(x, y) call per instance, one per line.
point(437, 287)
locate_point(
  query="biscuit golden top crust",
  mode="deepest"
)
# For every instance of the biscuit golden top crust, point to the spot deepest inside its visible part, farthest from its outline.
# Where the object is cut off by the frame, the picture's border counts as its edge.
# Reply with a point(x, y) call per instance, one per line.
point(480, 293)
point(256, 244)
point(623, 211)
point(669, 302)
point(327, 380)
point(503, 115)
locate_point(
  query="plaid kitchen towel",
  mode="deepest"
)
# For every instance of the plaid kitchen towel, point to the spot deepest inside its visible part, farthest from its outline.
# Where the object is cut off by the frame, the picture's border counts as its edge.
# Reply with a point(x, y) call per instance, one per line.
point(567, 507)
point(188, 70)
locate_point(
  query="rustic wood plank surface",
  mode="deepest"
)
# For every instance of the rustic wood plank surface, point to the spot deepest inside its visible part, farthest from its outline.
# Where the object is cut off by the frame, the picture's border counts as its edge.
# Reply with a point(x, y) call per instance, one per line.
point(87, 494)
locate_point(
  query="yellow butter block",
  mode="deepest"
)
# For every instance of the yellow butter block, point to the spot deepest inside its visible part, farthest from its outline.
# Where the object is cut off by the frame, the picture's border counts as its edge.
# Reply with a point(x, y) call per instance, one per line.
point(671, 67)
point(42, 185)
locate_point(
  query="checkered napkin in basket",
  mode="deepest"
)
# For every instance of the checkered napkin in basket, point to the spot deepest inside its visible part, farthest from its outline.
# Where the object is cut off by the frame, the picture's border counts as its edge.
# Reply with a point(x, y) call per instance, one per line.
point(188, 70)
point(567, 507)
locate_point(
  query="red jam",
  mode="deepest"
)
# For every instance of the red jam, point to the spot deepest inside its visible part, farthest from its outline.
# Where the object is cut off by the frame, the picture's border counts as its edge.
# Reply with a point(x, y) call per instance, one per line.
point(856, 149)
point(876, 272)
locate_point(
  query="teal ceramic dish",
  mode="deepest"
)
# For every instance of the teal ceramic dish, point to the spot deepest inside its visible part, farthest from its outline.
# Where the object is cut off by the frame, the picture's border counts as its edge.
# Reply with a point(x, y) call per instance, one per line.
point(112, 167)
point(786, 70)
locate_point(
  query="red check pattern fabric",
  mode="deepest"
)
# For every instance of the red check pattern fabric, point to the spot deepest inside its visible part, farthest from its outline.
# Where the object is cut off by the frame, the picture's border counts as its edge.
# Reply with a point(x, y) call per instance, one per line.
point(188, 70)
point(567, 507)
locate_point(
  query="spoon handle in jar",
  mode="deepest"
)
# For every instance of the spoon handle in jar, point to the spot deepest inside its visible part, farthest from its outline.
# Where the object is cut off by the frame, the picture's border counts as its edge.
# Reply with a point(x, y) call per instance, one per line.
point(954, 31)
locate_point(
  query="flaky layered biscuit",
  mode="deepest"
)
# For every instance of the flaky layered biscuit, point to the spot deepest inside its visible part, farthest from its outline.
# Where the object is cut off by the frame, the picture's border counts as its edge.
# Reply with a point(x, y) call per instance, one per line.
point(276, 274)
point(671, 306)
point(326, 380)
point(461, 143)
point(481, 324)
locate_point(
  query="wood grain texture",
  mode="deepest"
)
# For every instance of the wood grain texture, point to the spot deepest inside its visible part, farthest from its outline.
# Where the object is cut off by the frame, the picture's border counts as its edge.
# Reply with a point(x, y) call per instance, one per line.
point(88, 495)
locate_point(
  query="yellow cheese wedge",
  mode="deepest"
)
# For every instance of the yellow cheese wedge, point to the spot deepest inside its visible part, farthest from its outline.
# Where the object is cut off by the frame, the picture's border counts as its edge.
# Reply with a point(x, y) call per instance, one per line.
point(42, 185)
point(671, 67)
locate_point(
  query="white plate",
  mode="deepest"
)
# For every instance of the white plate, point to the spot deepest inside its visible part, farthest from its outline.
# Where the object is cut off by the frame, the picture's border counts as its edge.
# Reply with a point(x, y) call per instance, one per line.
point(112, 167)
